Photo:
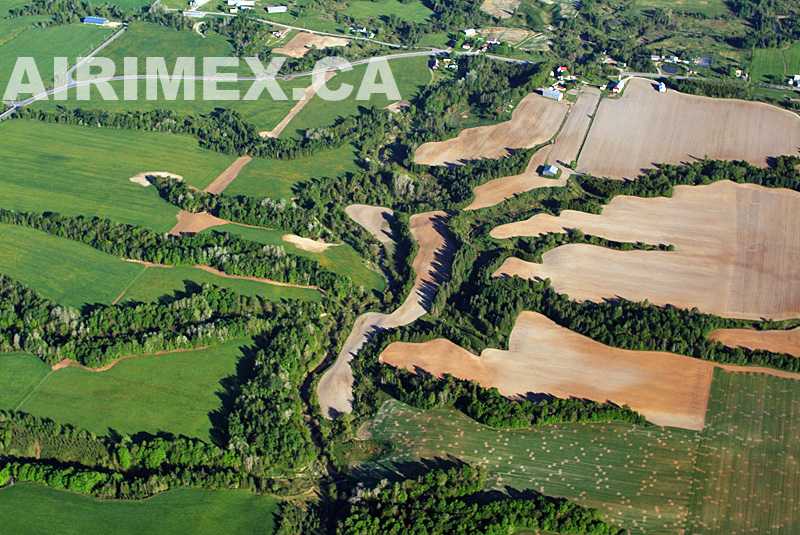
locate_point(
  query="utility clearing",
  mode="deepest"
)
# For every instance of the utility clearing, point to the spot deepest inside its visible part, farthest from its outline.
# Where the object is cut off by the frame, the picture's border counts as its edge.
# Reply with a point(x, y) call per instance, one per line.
point(545, 358)
point(302, 43)
point(432, 267)
point(644, 128)
point(310, 91)
point(535, 120)
point(228, 176)
point(777, 341)
point(375, 219)
point(737, 248)
point(562, 153)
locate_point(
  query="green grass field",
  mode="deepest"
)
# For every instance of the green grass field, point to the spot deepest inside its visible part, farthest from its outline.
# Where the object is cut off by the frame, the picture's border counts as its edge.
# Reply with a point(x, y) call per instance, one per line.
point(78, 170)
point(155, 282)
point(412, 11)
point(63, 270)
point(638, 477)
point(21, 373)
point(774, 66)
point(276, 178)
point(173, 393)
point(712, 8)
point(33, 509)
point(748, 472)
point(341, 259)
point(10, 28)
point(410, 74)
point(43, 44)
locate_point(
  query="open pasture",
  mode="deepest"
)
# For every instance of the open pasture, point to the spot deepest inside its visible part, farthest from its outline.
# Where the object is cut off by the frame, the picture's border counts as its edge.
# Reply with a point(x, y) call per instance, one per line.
point(341, 259)
point(76, 170)
point(747, 476)
point(777, 341)
point(43, 44)
point(416, 11)
point(170, 392)
point(638, 477)
point(31, 509)
point(545, 358)
point(276, 178)
point(21, 374)
point(409, 74)
point(156, 282)
point(775, 65)
point(644, 128)
point(737, 248)
point(712, 8)
point(68, 272)
point(535, 120)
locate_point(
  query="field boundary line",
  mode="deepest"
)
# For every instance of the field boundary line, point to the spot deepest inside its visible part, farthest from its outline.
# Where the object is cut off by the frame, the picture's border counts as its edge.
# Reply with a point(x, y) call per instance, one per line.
point(128, 286)
point(588, 129)
point(34, 389)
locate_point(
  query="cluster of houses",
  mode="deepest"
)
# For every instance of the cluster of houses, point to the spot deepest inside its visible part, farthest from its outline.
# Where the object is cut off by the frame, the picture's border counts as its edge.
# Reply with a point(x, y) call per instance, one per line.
point(795, 80)
point(448, 63)
point(556, 90)
point(362, 31)
point(236, 5)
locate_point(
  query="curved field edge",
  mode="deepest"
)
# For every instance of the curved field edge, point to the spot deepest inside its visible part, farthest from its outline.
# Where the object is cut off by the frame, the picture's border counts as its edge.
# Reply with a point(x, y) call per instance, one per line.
point(29, 508)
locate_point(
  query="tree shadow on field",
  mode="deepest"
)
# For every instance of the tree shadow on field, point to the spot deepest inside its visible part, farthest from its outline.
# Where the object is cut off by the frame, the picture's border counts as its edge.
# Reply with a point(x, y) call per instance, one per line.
point(400, 470)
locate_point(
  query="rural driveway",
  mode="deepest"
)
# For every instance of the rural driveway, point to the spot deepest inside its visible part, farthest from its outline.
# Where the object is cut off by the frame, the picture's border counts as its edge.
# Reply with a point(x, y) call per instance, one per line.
point(432, 267)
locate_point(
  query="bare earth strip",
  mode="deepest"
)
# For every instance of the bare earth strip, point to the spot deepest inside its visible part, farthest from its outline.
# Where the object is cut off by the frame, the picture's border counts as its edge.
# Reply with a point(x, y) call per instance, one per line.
point(310, 91)
point(303, 42)
point(777, 341)
point(141, 178)
point(562, 152)
point(373, 218)
point(192, 223)
point(535, 120)
point(307, 244)
point(500, 8)
point(737, 247)
point(432, 267)
point(513, 36)
point(228, 175)
point(645, 127)
point(545, 358)
point(215, 271)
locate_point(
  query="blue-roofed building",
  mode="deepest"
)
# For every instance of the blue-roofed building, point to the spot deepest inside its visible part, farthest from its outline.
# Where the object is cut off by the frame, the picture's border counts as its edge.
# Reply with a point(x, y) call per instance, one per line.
point(550, 171)
point(95, 20)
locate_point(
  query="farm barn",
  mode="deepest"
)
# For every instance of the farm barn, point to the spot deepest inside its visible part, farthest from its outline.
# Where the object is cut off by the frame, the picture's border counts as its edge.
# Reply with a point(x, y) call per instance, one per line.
point(98, 21)
point(555, 94)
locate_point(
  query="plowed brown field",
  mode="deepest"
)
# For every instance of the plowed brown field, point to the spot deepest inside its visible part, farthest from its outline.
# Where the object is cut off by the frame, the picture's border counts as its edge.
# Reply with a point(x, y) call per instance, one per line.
point(778, 341)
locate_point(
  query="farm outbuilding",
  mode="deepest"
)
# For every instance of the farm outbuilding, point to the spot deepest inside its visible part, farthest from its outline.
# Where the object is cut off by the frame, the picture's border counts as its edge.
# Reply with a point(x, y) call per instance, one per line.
point(277, 9)
point(555, 94)
point(95, 20)
point(662, 87)
point(469, 32)
point(550, 171)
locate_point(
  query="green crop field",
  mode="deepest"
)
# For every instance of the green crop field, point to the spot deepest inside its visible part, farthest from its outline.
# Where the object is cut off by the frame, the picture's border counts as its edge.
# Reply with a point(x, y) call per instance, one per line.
point(43, 44)
point(173, 392)
point(747, 478)
point(341, 259)
point(410, 74)
point(63, 270)
point(155, 282)
point(411, 11)
point(774, 66)
point(10, 28)
point(265, 112)
point(20, 374)
point(30, 509)
point(639, 477)
point(276, 178)
point(78, 170)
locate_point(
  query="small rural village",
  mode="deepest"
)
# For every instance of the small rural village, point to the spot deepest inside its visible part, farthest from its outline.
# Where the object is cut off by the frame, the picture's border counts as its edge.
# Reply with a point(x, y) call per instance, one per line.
point(361, 267)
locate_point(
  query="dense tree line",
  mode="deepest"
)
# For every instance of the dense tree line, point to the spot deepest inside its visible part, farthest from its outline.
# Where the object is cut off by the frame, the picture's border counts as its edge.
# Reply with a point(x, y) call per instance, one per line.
point(711, 88)
point(67, 11)
point(531, 249)
point(224, 251)
point(444, 502)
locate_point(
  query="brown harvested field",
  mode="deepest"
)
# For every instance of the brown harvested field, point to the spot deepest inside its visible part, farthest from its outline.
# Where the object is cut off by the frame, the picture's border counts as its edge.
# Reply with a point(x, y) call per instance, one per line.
point(189, 223)
point(373, 218)
point(307, 244)
point(535, 120)
point(303, 42)
point(513, 36)
point(561, 153)
point(737, 248)
point(309, 92)
point(777, 341)
point(545, 358)
point(228, 175)
point(644, 128)
point(500, 8)
point(432, 267)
